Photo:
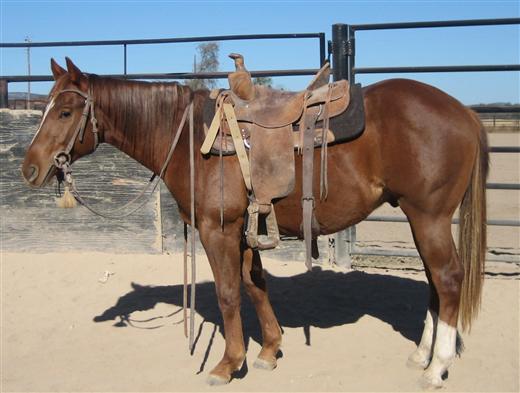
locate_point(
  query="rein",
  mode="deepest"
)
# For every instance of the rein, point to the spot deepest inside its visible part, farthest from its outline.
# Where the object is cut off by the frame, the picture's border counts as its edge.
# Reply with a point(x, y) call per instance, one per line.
point(62, 162)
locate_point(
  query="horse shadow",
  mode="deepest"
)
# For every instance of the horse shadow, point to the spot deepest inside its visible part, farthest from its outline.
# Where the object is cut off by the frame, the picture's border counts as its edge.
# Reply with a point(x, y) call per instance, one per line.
point(319, 298)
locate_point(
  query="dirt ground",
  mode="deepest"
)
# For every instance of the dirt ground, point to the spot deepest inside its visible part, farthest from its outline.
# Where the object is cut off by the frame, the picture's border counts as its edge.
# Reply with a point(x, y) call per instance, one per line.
point(106, 322)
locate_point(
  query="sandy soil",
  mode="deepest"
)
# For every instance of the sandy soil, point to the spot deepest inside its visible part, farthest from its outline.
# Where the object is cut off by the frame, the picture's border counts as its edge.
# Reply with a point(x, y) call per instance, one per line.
point(67, 325)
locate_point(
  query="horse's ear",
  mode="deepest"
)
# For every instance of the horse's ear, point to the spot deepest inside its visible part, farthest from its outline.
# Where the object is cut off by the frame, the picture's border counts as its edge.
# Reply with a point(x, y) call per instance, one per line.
point(56, 69)
point(76, 76)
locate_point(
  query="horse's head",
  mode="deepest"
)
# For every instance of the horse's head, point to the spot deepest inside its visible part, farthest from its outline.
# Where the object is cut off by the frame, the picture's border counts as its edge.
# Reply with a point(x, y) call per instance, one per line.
point(64, 134)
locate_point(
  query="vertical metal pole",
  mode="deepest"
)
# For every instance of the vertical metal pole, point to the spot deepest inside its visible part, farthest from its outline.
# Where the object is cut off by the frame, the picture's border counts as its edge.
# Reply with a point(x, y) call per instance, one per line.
point(351, 53)
point(351, 245)
point(28, 40)
point(339, 51)
point(342, 64)
point(4, 94)
point(124, 47)
point(322, 49)
point(342, 242)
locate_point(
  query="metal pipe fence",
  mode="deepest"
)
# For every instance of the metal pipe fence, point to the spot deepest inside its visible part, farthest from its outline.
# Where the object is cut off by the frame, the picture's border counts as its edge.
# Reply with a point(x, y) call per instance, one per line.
point(343, 47)
point(6, 79)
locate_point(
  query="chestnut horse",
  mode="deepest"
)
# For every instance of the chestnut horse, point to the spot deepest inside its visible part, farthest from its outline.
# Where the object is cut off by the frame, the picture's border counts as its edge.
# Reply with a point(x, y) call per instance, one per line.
point(421, 150)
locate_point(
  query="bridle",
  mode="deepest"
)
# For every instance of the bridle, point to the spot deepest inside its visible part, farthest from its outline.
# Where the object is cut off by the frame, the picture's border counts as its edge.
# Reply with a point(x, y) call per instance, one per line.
point(63, 159)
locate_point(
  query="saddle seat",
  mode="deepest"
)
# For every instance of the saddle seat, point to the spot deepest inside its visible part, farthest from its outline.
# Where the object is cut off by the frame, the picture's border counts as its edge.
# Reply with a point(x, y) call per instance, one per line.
point(271, 108)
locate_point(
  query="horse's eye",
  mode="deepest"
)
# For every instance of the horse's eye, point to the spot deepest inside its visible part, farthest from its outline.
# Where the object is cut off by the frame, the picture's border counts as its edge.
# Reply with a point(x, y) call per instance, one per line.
point(64, 114)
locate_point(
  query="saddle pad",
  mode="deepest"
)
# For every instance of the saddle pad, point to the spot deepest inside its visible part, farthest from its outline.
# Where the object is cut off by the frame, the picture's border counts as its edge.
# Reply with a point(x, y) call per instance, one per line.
point(351, 123)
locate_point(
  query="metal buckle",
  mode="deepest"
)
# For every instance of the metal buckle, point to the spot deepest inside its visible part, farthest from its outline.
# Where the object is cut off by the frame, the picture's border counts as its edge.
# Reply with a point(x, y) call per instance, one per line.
point(61, 159)
point(311, 199)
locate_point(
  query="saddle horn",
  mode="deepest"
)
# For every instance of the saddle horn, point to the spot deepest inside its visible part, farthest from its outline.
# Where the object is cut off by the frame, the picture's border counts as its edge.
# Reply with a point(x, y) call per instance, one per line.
point(240, 81)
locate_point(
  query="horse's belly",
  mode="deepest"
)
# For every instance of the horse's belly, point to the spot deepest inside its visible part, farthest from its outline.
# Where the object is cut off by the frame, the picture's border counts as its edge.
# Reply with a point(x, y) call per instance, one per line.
point(350, 199)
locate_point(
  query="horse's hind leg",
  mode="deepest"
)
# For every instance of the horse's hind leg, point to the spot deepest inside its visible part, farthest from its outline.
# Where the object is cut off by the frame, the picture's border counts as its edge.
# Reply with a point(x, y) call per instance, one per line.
point(435, 244)
point(255, 285)
point(420, 358)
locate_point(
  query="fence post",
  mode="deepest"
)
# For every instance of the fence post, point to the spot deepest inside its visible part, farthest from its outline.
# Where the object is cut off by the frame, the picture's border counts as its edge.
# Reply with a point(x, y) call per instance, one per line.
point(351, 54)
point(4, 94)
point(343, 247)
point(339, 51)
point(323, 57)
point(124, 58)
point(342, 64)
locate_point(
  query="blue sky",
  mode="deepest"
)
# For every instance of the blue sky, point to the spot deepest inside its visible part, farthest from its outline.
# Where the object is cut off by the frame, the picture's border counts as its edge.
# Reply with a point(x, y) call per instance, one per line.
point(103, 20)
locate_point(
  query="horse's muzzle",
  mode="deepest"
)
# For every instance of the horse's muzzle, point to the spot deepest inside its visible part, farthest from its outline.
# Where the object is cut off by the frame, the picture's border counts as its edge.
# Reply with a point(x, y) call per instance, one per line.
point(30, 173)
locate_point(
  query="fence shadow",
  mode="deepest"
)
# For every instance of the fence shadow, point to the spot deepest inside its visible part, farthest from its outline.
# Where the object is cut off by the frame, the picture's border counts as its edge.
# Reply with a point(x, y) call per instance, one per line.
point(321, 299)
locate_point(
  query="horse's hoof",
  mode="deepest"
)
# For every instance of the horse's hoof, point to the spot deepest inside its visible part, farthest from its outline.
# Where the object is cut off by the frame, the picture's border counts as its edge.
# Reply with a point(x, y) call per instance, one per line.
point(430, 382)
point(263, 364)
point(215, 380)
point(417, 361)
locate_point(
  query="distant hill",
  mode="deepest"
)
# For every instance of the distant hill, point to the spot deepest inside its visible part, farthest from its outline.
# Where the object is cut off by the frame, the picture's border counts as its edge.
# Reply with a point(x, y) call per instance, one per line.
point(21, 95)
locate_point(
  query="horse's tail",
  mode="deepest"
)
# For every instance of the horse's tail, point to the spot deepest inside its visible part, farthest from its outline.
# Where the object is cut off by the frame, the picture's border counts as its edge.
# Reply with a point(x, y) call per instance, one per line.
point(472, 233)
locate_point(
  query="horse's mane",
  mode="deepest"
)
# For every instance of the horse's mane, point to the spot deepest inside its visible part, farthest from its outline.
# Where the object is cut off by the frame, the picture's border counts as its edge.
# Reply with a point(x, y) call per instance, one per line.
point(146, 112)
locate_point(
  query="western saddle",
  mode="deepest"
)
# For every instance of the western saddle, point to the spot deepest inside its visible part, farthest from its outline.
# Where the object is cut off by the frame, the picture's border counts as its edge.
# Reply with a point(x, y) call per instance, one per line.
point(272, 124)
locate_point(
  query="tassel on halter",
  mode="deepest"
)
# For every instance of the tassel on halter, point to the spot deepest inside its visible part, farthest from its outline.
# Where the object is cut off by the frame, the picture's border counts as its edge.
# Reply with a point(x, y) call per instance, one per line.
point(64, 176)
point(67, 200)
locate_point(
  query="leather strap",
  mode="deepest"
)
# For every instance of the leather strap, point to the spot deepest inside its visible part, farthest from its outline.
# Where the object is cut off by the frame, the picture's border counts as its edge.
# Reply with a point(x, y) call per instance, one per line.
point(112, 213)
point(307, 181)
point(192, 240)
point(185, 282)
point(239, 144)
point(324, 186)
point(212, 134)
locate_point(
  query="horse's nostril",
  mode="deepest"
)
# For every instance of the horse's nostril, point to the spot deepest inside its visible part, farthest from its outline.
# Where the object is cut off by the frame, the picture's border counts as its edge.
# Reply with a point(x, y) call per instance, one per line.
point(31, 173)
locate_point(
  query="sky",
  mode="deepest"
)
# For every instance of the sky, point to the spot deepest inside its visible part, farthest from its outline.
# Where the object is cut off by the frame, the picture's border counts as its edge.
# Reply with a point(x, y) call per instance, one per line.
point(71, 20)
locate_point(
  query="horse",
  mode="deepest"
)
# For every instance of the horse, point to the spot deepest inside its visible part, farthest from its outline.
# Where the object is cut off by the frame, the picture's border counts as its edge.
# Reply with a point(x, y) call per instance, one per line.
point(421, 150)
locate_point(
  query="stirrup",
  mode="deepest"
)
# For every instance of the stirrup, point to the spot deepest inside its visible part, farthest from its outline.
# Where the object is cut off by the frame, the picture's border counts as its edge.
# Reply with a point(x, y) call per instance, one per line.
point(261, 241)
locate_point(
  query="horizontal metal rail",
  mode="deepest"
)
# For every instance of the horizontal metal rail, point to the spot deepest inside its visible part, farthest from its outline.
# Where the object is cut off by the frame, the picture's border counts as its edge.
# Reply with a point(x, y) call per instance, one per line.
point(433, 24)
point(496, 108)
point(509, 223)
point(490, 256)
point(161, 40)
point(504, 149)
point(170, 75)
point(503, 186)
point(422, 69)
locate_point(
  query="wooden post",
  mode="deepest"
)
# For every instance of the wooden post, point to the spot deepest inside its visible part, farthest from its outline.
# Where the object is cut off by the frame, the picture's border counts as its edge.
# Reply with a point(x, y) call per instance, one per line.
point(4, 94)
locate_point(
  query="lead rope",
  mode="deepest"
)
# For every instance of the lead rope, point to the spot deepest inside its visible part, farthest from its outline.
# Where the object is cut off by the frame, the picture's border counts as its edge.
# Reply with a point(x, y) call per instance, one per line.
point(185, 282)
point(192, 211)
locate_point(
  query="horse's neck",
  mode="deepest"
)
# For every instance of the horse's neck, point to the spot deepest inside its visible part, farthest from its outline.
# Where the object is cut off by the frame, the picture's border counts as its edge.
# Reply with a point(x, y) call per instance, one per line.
point(144, 126)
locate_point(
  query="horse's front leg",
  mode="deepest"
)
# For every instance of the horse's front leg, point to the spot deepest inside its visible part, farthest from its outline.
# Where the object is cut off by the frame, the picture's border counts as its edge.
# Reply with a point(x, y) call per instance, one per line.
point(255, 285)
point(223, 251)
